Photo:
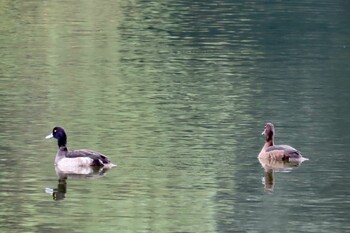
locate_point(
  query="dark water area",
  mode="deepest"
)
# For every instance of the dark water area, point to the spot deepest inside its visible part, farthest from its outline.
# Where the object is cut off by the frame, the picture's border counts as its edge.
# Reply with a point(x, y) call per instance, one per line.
point(177, 95)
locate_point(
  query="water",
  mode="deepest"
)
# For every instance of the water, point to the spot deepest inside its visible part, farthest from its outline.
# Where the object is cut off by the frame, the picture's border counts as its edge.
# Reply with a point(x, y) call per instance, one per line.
point(176, 94)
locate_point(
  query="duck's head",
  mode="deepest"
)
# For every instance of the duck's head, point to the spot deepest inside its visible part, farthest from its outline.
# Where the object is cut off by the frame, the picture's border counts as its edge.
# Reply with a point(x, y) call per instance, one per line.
point(269, 131)
point(59, 134)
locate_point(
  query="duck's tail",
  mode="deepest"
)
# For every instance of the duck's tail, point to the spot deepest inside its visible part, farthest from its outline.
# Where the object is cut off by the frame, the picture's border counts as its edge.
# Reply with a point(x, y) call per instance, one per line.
point(109, 165)
point(299, 159)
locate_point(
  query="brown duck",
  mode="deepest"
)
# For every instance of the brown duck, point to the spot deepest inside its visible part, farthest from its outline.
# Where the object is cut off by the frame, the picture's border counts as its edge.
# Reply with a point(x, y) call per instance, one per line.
point(270, 151)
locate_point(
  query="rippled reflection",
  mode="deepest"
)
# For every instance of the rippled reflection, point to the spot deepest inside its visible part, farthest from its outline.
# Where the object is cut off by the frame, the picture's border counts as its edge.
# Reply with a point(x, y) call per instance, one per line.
point(271, 166)
point(59, 193)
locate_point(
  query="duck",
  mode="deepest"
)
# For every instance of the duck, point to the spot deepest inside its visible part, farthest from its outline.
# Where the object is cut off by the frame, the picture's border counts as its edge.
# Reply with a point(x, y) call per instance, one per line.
point(270, 151)
point(76, 161)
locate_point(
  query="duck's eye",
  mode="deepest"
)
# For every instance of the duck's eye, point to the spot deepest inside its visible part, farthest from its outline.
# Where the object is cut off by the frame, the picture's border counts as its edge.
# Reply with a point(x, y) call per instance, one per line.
point(55, 131)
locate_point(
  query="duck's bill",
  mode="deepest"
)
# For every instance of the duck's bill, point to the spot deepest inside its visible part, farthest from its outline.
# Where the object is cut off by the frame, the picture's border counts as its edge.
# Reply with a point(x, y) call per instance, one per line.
point(49, 190)
point(263, 132)
point(49, 136)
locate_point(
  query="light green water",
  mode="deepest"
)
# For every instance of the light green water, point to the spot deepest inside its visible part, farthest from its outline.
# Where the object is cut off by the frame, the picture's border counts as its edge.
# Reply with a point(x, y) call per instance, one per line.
point(176, 94)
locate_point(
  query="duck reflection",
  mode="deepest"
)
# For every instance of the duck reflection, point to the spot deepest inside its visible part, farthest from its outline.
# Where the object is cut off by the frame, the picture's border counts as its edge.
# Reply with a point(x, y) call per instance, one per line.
point(59, 193)
point(270, 166)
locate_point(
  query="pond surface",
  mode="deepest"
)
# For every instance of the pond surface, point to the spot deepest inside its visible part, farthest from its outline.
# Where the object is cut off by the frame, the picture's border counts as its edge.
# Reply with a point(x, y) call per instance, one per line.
point(176, 94)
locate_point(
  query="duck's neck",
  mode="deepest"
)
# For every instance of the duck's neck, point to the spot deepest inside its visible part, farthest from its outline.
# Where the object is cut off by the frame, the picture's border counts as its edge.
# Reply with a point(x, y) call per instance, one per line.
point(61, 153)
point(267, 144)
point(62, 142)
